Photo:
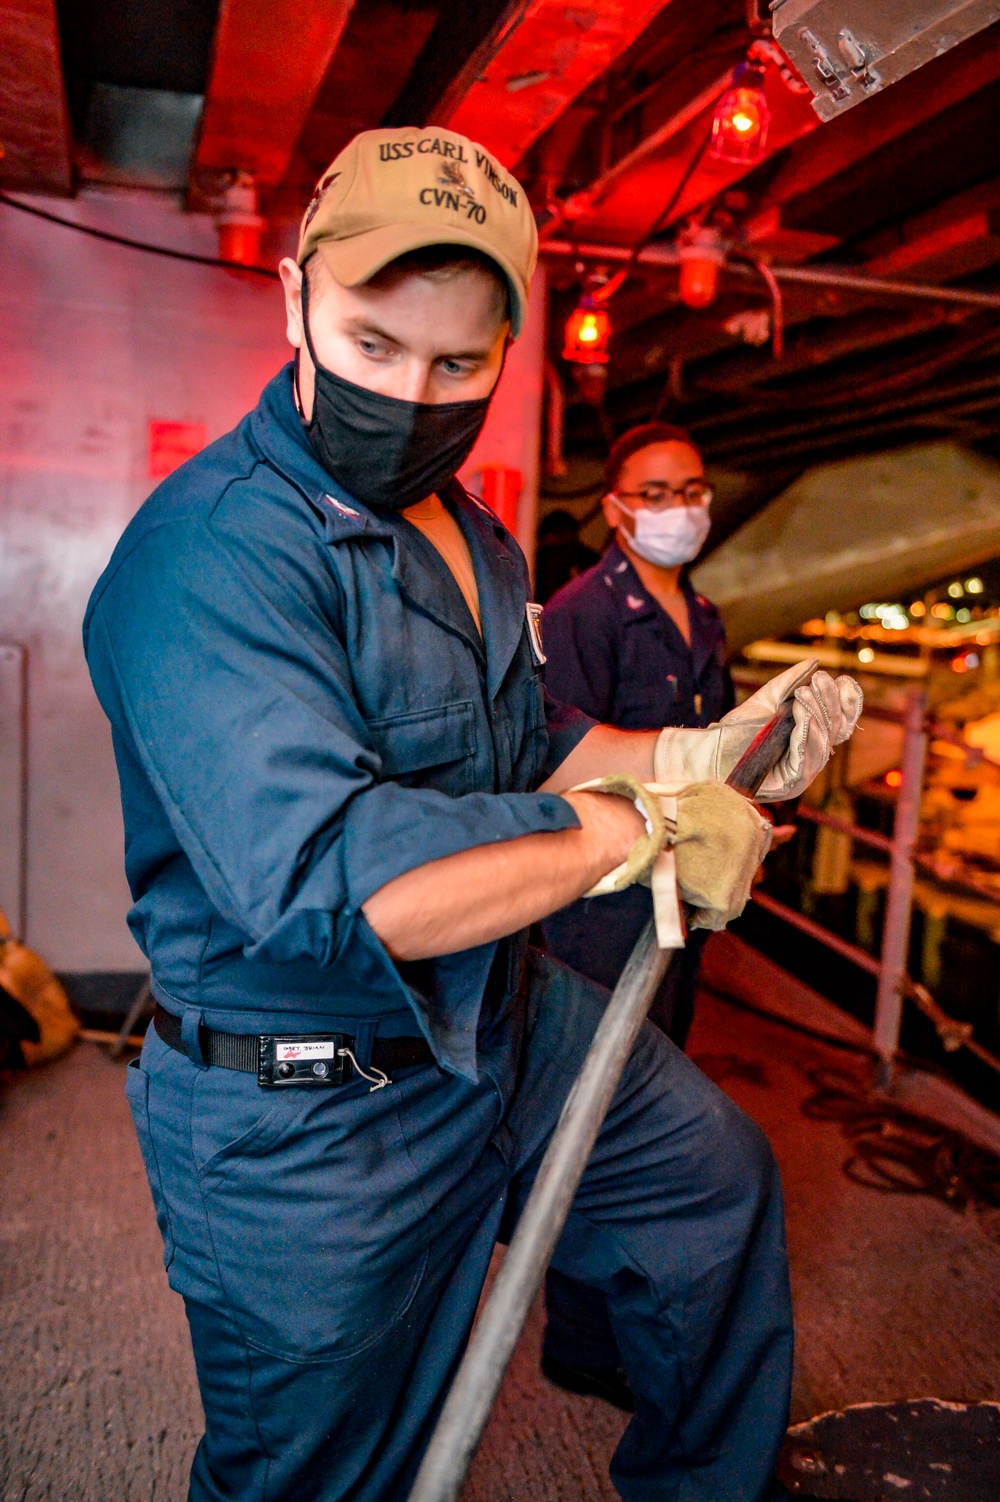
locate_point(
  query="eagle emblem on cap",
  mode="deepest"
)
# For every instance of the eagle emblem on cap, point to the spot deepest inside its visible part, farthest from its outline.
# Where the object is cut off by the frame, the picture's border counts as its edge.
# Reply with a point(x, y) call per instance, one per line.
point(325, 184)
point(451, 176)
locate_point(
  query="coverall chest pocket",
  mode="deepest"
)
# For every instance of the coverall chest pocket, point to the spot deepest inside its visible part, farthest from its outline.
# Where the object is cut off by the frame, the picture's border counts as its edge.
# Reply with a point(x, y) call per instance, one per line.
point(433, 748)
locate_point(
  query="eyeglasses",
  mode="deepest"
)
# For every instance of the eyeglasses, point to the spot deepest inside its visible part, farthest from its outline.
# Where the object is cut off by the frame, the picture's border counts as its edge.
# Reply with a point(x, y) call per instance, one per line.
point(658, 496)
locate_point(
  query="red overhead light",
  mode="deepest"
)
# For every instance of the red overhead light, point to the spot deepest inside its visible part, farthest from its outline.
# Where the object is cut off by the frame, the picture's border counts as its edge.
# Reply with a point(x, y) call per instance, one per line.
point(700, 252)
point(739, 126)
point(238, 222)
point(588, 330)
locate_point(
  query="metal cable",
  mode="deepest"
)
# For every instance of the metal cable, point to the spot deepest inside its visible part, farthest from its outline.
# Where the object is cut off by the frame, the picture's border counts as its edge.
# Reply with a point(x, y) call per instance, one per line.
point(152, 250)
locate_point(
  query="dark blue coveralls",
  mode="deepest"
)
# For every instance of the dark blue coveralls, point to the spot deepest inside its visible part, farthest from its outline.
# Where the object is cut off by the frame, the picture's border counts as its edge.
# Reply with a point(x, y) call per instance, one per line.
point(302, 709)
point(614, 653)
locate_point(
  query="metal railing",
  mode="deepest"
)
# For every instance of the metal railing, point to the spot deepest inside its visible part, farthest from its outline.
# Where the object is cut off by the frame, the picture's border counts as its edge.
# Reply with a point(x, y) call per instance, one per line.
point(889, 967)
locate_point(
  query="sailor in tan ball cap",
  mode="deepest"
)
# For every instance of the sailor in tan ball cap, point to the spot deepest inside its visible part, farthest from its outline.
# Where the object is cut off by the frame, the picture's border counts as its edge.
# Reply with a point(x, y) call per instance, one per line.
point(346, 799)
point(392, 191)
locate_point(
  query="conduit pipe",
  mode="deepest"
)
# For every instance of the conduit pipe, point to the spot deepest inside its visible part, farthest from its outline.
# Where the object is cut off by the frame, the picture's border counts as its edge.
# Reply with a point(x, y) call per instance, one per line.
point(988, 387)
point(819, 276)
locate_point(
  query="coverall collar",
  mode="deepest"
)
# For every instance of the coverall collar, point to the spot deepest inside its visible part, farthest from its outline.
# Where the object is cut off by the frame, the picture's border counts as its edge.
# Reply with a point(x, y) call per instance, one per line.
point(635, 603)
point(278, 433)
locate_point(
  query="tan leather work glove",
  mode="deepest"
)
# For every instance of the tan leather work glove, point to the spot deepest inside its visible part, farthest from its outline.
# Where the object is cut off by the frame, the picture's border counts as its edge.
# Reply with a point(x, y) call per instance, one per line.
point(705, 846)
point(721, 839)
point(826, 711)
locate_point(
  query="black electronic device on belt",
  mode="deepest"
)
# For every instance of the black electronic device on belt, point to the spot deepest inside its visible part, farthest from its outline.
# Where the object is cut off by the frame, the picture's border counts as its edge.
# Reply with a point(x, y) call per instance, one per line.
point(277, 1059)
point(320, 1059)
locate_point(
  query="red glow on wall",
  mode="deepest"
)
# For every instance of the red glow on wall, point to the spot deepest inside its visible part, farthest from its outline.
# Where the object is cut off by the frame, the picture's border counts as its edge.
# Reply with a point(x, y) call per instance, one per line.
point(501, 492)
point(239, 243)
point(894, 779)
point(171, 444)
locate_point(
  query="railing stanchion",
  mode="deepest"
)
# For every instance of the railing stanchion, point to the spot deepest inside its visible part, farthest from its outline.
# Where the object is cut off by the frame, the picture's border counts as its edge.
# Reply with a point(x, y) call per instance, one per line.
point(896, 931)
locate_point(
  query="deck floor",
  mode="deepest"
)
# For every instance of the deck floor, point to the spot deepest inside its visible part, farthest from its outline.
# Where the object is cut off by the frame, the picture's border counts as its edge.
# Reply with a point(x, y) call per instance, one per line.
point(894, 1295)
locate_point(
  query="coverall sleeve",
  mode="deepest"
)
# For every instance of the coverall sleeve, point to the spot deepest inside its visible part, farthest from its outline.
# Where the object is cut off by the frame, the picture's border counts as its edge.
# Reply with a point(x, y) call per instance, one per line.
point(225, 669)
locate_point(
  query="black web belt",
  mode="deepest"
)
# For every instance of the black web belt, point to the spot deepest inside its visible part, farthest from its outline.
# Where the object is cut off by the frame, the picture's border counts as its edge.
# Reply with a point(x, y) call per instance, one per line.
point(316, 1059)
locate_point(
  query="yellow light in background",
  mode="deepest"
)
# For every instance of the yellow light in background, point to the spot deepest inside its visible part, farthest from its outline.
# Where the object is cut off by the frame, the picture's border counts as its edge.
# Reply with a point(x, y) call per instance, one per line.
point(955, 590)
point(918, 608)
point(963, 615)
point(942, 612)
point(866, 655)
point(974, 586)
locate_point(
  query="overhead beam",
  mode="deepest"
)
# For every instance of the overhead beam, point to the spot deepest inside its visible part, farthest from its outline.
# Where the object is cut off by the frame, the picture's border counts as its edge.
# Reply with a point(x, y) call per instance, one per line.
point(843, 143)
point(956, 238)
point(464, 39)
point(522, 70)
point(360, 84)
point(869, 331)
point(269, 58)
point(34, 119)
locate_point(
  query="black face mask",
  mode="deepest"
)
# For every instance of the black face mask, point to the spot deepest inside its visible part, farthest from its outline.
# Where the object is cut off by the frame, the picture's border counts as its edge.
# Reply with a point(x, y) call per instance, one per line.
point(386, 453)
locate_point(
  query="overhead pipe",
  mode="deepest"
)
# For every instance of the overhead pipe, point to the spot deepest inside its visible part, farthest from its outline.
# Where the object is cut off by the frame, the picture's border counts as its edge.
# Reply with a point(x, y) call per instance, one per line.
point(805, 422)
point(821, 276)
point(828, 422)
point(844, 391)
point(777, 310)
point(821, 434)
point(811, 449)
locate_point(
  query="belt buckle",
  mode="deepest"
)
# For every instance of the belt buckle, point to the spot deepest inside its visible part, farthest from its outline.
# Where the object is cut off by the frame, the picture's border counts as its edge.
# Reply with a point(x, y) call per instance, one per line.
point(312, 1060)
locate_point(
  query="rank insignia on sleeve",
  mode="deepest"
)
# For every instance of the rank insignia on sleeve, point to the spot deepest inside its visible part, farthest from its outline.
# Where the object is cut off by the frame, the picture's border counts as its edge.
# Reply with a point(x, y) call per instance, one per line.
point(339, 506)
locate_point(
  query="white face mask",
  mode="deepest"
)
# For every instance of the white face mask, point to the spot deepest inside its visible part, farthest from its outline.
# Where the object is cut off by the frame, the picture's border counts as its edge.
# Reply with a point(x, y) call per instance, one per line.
point(670, 537)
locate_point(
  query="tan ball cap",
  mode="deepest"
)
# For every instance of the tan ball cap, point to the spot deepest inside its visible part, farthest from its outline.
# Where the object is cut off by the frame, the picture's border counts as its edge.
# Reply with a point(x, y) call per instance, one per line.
point(391, 191)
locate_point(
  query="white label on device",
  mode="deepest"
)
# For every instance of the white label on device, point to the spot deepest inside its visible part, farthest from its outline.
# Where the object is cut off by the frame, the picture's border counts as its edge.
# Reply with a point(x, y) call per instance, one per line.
point(324, 1049)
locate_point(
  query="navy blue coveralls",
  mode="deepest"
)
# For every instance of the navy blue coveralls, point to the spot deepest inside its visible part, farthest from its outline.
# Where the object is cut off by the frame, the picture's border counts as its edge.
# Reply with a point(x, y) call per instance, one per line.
point(302, 709)
point(614, 653)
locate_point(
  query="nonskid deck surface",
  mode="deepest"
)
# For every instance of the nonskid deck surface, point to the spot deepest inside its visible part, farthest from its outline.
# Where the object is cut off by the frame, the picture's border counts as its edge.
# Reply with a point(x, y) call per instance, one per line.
point(895, 1295)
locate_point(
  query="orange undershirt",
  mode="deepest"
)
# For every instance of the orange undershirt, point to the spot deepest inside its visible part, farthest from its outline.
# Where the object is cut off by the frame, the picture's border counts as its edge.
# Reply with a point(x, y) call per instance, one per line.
point(435, 521)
